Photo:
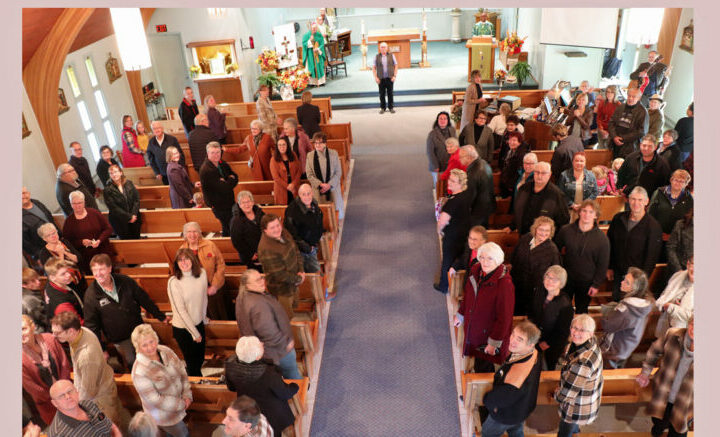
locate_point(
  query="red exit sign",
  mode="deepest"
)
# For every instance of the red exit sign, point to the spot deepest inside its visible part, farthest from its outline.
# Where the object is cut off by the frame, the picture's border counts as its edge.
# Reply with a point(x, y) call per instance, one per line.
point(161, 28)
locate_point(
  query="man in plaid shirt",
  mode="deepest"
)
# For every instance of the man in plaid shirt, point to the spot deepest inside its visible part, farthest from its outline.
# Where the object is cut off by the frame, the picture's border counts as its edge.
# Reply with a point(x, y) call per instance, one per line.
point(581, 378)
point(243, 419)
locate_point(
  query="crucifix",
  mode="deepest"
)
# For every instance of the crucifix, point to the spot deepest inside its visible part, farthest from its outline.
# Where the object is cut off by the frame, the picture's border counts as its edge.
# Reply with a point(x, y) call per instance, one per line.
point(285, 44)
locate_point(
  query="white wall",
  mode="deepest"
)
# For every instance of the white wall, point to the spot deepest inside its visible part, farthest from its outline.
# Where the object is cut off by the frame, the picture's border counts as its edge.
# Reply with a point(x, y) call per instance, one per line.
point(679, 92)
point(557, 66)
point(117, 97)
point(529, 21)
point(38, 173)
point(38, 169)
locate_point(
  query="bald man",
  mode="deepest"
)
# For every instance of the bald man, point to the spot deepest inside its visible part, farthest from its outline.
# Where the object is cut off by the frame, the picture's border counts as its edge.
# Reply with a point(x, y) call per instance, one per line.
point(304, 220)
point(199, 139)
point(75, 417)
point(628, 124)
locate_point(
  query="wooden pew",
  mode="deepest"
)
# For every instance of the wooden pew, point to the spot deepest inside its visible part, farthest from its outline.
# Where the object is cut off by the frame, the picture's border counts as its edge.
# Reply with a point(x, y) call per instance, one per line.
point(619, 387)
point(248, 108)
point(609, 206)
point(593, 157)
point(210, 400)
point(158, 196)
point(332, 130)
point(238, 121)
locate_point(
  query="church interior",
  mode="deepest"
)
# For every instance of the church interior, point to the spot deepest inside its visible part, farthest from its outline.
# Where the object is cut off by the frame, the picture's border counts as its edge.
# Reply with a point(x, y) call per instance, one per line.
point(377, 350)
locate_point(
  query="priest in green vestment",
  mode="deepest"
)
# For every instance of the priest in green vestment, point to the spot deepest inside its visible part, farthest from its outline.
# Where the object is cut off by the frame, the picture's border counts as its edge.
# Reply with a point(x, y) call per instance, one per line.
point(314, 55)
point(483, 27)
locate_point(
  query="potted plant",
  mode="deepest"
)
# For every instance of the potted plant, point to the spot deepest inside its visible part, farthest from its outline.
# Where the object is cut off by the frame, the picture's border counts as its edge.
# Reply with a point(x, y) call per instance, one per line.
point(271, 80)
point(521, 71)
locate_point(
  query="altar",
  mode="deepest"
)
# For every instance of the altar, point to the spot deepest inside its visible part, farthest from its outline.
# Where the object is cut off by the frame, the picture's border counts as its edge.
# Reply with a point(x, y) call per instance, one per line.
point(481, 56)
point(217, 62)
point(398, 41)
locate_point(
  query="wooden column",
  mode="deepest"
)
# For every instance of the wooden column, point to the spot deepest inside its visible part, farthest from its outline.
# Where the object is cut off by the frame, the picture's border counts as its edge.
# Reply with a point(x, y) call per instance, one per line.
point(668, 30)
point(41, 77)
point(135, 83)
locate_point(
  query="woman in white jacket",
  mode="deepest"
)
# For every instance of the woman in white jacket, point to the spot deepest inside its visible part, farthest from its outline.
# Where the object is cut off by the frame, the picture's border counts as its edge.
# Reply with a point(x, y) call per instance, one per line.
point(677, 301)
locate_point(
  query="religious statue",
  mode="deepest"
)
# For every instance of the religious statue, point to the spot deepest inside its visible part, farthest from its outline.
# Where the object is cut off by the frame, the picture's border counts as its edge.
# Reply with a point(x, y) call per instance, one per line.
point(113, 68)
point(327, 25)
point(483, 27)
point(314, 55)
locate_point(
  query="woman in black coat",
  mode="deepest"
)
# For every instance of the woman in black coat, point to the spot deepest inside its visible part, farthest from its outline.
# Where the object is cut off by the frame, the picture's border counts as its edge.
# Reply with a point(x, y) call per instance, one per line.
point(552, 312)
point(248, 374)
point(308, 115)
point(106, 153)
point(436, 152)
point(533, 254)
point(511, 163)
point(123, 202)
point(245, 231)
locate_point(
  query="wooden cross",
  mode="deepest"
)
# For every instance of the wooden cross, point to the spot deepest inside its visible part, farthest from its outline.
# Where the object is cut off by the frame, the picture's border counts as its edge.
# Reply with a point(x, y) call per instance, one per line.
point(285, 43)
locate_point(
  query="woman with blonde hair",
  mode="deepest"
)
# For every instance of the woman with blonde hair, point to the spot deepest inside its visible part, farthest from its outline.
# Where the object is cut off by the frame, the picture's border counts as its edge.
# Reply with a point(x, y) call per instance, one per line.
point(266, 113)
point(260, 145)
point(161, 382)
point(142, 136)
point(474, 99)
point(308, 115)
point(181, 189)
point(533, 254)
point(216, 118)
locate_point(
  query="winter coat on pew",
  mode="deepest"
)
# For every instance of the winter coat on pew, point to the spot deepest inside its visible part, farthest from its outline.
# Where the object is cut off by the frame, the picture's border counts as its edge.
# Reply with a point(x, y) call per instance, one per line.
point(262, 381)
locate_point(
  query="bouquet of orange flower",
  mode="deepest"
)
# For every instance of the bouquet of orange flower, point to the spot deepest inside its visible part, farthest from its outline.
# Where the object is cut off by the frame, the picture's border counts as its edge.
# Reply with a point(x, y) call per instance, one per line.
point(268, 60)
point(500, 75)
point(296, 77)
point(512, 44)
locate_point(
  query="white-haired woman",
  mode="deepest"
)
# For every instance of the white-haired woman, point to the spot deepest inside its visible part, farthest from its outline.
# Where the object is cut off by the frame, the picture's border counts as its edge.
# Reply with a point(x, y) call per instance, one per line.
point(552, 312)
point(161, 382)
point(624, 325)
point(213, 262)
point(454, 224)
point(581, 380)
point(486, 311)
point(260, 145)
point(677, 301)
point(143, 425)
point(249, 374)
point(87, 230)
point(452, 147)
point(55, 246)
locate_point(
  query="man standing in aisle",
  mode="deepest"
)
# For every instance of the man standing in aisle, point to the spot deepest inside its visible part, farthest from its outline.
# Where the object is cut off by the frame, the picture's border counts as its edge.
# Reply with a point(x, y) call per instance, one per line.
point(385, 72)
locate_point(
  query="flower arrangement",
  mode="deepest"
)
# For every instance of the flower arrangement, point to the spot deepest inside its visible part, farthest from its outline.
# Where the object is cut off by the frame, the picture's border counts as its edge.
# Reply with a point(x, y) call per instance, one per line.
point(195, 70)
point(512, 44)
point(500, 75)
point(296, 77)
point(152, 97)
point(267, 60)
point(456, 111)
point(231, 68)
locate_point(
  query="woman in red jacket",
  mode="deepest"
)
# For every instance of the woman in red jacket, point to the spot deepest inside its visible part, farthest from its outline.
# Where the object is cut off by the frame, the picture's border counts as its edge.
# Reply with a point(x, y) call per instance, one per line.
point(486, 311)
point(285, 170)
point(605, 110)
point(132, 154)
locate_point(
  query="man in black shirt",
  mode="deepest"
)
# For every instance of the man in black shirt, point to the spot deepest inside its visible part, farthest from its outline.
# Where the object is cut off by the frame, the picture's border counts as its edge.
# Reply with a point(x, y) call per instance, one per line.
point(539, 197)
point(515, 385)
point(218, 181)
point(157, 146)
point(81, 166)
point(627, 125)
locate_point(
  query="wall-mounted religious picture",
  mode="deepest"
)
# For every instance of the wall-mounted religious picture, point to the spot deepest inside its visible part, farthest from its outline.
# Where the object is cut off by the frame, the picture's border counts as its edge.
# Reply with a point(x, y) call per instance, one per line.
point(25, 130)
point(113, 68)
point(285, 45)
point(62, 102)
point(688, 38)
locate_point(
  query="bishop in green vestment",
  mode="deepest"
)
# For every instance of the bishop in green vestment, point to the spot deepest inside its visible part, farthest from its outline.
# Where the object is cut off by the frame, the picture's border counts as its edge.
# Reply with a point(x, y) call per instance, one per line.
point(314, 55)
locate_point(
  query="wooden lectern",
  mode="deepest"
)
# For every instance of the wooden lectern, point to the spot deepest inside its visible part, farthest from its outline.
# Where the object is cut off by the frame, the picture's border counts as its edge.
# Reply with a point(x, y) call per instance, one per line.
point(398, 41)
point(481, 56)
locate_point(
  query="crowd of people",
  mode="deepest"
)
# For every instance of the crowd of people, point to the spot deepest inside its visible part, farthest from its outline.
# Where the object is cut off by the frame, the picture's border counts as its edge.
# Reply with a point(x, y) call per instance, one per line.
point(563, 258)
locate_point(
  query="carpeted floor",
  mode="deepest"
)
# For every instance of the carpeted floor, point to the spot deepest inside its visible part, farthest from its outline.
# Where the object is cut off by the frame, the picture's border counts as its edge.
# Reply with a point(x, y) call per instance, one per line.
point(387, 364)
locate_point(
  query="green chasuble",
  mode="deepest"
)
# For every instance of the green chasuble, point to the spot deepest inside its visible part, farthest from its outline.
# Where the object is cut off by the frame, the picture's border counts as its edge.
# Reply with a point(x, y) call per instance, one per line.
point(485, 28)
point(314, 60)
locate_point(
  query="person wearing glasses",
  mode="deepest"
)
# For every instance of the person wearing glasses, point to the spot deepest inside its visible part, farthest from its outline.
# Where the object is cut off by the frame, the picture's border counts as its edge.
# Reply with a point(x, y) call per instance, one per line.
point(67, 182)
point(323, 170)
point(581, 380)
point(479, 135)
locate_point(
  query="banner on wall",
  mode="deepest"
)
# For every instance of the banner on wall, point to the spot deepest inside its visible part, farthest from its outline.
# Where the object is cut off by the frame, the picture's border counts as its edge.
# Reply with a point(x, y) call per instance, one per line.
point(285, 45)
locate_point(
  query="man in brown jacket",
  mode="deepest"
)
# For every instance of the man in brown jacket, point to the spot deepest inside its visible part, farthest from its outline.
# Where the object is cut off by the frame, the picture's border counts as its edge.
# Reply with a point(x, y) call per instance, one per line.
point(281, 261)
point(671, 405)
point(259, 314)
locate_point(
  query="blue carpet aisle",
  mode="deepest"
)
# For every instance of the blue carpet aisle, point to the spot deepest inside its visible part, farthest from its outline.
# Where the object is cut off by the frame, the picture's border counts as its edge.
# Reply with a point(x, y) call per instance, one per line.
point(387, 366)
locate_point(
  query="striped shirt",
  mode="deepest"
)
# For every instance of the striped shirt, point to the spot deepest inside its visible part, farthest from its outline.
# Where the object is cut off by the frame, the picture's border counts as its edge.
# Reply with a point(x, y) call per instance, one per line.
point(99, 424)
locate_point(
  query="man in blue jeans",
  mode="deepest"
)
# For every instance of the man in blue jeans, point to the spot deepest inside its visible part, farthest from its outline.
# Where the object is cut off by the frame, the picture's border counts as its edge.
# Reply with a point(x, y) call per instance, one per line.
point(385, 71)
point(515, 385)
